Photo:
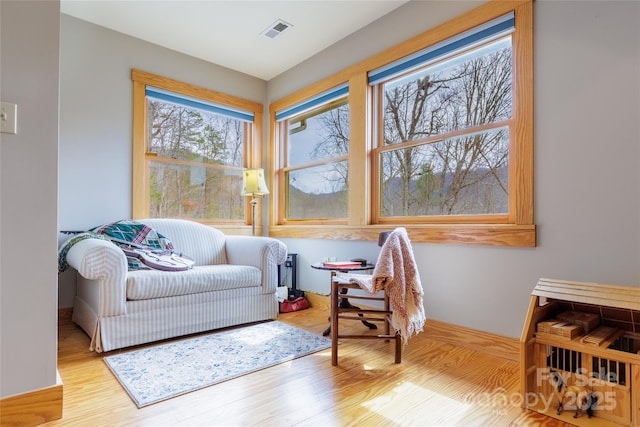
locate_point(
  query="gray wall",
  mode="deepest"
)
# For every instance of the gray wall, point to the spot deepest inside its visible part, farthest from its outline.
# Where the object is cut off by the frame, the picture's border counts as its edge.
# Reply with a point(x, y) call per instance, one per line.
point(587, 157)
point(96, 113)
point(29, 34)
point(587, 163)
point(399, 25)
point(96, 119)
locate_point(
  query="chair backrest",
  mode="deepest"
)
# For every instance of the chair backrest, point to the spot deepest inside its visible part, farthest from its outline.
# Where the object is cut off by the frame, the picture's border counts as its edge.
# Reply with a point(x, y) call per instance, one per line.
point(383, 236)
point(397, 273)
point(396, 254)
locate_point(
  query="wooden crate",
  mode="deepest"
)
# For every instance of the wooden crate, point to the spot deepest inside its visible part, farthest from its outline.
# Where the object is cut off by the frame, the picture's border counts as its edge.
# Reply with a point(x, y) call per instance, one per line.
point(547, 325)
point(588, 321)
point(602, 336)
point(610, 365)
point(560, 329)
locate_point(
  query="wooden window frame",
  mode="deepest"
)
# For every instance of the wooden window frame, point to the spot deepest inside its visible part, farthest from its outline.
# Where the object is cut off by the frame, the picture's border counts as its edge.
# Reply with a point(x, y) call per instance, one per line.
point(141, 157)
point(285, 168)
point(515, 229)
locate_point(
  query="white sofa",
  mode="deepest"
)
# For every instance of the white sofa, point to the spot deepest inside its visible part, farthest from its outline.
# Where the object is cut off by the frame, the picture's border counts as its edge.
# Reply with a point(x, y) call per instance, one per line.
point(233, 282)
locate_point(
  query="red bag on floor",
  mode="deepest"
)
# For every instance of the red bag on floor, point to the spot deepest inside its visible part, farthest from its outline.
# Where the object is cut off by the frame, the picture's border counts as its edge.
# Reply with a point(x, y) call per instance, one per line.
point(287, 306)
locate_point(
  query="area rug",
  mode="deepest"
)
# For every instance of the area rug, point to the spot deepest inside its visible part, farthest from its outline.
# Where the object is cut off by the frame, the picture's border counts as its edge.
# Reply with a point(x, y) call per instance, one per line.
point(158, 373)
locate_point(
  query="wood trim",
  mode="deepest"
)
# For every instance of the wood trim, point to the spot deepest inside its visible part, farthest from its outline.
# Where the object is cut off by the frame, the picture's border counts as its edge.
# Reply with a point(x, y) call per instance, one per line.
point(521, 197)
point(358, 202)
point(32, 408)
point(473, 339)
point(444, 219)
point(188, 89)
point(468, 234)
point(64, 315)
point(274, 180)
point(318, 301)
point(140, 166)
point(461, 336)
point(256, 137)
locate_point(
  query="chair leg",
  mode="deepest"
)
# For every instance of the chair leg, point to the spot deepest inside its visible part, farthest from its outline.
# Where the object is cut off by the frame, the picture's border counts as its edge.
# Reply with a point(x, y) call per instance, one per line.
point(387, 323)
point(334, 323)
point(335, 302)
point(398, 339)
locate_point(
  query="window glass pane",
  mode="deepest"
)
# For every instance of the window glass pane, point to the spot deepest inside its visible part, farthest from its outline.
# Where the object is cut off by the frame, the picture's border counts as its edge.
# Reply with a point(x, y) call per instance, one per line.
point(318, 192)
point(195, 192)
point(459, 176)
point(467, 90)
point(185, 133)
point(320, 134)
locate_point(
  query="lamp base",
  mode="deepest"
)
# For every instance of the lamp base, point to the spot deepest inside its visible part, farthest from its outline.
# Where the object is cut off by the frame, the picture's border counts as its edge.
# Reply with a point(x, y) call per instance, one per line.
point(254, 202)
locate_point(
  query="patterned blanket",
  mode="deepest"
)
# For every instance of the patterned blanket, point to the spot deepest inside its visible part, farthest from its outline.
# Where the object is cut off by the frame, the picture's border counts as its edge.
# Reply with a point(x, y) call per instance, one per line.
point(128, 231)
point(125, 232)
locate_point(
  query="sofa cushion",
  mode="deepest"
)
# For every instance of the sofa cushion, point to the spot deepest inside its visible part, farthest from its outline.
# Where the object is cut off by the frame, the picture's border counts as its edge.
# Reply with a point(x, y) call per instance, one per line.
point(148, 284)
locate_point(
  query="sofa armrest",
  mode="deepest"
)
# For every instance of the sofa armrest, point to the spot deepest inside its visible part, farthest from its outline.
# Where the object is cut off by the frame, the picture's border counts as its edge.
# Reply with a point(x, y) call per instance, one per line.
point(106, 264)
point(265, 253)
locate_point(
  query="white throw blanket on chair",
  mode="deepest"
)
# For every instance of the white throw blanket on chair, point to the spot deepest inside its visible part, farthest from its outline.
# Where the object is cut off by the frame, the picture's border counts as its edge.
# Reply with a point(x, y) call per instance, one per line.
point(397, 274)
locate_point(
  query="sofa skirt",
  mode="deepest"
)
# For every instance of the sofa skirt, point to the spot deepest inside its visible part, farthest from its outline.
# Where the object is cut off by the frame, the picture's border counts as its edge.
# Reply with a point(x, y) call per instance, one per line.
point(161, 318)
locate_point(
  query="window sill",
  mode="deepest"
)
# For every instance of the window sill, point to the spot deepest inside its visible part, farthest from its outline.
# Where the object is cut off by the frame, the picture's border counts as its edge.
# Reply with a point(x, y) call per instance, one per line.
point(467, 234)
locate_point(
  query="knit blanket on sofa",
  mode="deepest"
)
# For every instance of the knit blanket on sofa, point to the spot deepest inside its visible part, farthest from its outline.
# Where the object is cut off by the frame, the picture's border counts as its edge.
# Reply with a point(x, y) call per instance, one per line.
point(397, 274)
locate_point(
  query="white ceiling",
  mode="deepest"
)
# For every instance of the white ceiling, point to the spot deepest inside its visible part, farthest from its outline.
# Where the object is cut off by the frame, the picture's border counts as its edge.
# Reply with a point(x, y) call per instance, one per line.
point(228, 33)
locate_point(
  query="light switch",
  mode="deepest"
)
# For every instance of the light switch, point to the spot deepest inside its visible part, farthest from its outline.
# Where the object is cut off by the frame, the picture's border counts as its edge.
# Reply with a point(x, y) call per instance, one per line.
point(8, 118)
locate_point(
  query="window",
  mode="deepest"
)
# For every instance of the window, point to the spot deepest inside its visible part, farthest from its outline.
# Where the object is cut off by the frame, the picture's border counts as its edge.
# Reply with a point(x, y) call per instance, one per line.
point(440, 140)
point(190, 148)
point(315, 140)
point(443, 117)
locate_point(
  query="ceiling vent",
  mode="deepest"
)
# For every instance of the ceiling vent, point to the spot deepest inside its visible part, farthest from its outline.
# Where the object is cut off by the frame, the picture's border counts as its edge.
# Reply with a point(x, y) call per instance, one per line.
point(275, 29)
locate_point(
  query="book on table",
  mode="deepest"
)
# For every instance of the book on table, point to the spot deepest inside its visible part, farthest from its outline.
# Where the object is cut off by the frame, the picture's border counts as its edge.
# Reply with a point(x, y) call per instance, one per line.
point(341, 264)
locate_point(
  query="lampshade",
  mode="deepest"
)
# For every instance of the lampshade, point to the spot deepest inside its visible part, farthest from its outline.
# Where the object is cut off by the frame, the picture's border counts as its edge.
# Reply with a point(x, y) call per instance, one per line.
point(253, 182)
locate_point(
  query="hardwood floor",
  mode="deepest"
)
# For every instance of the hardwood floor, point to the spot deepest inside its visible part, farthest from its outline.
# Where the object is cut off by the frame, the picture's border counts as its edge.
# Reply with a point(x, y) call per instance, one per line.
point(436, 384)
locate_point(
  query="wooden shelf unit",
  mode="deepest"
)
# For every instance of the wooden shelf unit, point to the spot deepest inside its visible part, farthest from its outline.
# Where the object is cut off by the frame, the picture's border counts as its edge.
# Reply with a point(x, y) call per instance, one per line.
point(610, 370)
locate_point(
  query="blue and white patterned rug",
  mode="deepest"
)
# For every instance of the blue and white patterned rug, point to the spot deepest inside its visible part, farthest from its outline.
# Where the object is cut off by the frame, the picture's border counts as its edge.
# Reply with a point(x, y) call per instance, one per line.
point(158, 373)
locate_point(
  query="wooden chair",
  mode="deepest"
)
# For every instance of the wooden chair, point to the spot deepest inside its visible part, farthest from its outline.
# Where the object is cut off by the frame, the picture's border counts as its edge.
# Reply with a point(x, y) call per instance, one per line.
point(339, 288)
